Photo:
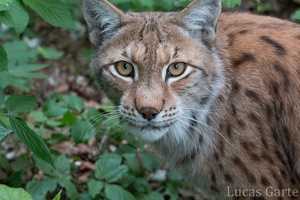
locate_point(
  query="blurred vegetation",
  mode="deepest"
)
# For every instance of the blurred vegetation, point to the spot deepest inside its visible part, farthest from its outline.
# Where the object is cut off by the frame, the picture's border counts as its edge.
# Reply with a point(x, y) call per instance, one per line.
point(121, 171)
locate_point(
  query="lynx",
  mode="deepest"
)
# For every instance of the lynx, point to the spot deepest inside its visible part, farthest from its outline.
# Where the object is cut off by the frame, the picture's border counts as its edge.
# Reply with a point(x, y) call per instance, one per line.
point(217, 95)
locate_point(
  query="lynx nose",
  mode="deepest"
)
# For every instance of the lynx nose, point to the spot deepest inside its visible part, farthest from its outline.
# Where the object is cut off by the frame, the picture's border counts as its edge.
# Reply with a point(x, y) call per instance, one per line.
point(148, 113)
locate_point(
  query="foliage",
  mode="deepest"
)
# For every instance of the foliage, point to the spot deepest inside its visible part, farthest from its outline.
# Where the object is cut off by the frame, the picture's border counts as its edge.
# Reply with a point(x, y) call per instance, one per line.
point(296, 15)
point(122, 173)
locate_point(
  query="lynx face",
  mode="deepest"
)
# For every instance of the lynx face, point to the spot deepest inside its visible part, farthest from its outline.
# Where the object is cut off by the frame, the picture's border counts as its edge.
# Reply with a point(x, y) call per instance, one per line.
point(220, 103)
point(160, 68)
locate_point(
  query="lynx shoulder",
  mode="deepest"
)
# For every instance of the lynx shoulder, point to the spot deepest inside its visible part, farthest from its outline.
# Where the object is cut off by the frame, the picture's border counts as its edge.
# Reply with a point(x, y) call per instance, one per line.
point(217, 95)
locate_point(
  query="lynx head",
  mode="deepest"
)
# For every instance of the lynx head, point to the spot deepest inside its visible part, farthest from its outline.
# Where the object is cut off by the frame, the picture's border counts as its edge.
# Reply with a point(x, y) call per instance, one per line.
point(161, 69)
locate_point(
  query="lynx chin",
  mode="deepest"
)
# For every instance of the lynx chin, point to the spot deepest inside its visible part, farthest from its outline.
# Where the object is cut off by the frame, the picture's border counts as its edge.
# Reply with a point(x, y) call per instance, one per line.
point(217, 95)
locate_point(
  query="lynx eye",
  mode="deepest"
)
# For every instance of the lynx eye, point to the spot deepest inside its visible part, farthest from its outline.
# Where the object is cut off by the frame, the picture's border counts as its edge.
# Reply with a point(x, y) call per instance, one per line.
point(176, 69)
point(124, 68)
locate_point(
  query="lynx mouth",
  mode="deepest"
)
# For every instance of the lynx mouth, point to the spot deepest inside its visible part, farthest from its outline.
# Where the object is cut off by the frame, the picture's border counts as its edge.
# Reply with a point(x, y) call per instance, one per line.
point(149, 132)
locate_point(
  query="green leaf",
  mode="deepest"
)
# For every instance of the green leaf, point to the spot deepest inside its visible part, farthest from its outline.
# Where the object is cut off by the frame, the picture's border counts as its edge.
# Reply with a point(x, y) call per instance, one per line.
point(3, 133)
point(7, 193)
point(69, 186)
point(4, 163)
point(24, 55)
point(232, 3)
point(5, 4)
point(5, 79)
point(31, 139)
point(141, 185)
point(151, 196)
point(21, 163)
point(132, 162)
point(256, 4)
point(38, 116)
point(18, 103)
point(45, 167)
point(68, 119)
point(52, 11)
point(95, 187)
point(296, 15)
point(15, 179)
point(20, 69)
point(113, 192)
point(39, 190)
point(174, 175)
point(109, 168)
point(27, 68)
point(74, 102)
point(49, 53)
point(172, 191)
point(3, 60)
point(150, 161)
point(82, 131)
point(16, 16)
point(1, 96)
point(62, 165)
point(57, 197)
point(54, 108)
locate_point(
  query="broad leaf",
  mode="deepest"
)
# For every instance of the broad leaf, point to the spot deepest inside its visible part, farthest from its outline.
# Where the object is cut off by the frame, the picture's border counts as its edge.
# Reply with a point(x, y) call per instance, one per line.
point(95, 187)
point(68, 119)
point(18, 103)
point(62, 165)
point(3, 60)
point(74, 102)
point(52, 11)
point(3, 133)
point(53, 107)
point(31, 139)
point(15, 17)
point(132, 162)
point(24, 55)
point(113, 192)
point(296, 15)
point(4, 163)
point(109, 168)
point(21, 163)
point(69, 186)
point(172, 190)
point(39, 190)
point(49, 53)
point(82, 131)
point(1, 97)
point(5, 79)
point(150, 161)
point(151, 196)
point(38, 116)
point(174, 175)
point(7, 193)
point(141, 185)
point(5, 4)
point(232, 3)
point(45, 167)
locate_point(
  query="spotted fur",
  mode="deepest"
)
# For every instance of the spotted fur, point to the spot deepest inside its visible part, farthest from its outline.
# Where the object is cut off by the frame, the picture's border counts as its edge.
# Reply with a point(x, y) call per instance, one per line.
point(232, 120)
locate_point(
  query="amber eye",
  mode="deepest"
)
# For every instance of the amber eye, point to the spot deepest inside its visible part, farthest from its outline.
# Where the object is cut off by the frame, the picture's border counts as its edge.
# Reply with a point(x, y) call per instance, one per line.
point(124, 68)
point(176, 69)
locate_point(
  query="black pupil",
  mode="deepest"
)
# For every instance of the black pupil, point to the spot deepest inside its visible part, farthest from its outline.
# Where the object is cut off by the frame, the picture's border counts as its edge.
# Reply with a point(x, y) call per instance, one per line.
point(126, 66)
point(176, 66)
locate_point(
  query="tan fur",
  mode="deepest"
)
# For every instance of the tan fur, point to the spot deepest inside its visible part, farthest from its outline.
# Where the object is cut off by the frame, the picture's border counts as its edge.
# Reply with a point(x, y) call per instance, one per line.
point(246, 132)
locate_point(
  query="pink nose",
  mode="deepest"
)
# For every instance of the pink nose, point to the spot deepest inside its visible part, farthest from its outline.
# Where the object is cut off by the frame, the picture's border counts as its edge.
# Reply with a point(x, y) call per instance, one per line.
point(148, 113)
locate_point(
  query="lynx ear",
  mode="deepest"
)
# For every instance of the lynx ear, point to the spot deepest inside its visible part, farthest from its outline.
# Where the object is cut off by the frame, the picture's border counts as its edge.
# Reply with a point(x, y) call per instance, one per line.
point(103, 19)
point(200, 19)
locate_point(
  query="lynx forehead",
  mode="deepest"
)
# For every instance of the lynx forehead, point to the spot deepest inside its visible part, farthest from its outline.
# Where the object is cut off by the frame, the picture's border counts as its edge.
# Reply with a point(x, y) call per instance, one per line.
point(215, 94)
